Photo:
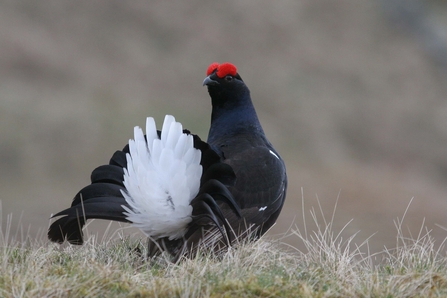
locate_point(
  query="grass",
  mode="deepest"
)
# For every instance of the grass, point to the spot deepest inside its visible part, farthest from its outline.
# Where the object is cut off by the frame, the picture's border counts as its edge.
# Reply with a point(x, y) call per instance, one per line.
point(328, 266)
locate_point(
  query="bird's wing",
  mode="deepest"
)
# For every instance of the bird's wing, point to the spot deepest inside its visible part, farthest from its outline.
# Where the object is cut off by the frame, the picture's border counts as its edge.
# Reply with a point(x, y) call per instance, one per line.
point(261, 183)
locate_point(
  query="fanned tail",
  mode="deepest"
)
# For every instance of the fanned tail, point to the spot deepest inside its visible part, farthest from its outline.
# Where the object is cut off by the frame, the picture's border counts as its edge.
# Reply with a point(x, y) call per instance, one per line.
point(170, 184)
point(161, 178)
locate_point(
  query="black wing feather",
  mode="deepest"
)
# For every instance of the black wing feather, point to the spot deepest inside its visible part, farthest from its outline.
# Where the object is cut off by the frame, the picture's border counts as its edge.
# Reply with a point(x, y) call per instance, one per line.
point(119, 158)
point(70, 226)
point(108, 174)
point(97, 190)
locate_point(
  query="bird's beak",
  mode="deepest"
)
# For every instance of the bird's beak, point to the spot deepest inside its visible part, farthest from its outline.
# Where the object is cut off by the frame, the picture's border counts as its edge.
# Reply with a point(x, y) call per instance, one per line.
point(209, 81)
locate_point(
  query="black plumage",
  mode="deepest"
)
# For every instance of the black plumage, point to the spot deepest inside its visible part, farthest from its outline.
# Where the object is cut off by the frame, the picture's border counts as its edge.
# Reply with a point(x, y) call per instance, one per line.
point(242, 187)
point(237, 136)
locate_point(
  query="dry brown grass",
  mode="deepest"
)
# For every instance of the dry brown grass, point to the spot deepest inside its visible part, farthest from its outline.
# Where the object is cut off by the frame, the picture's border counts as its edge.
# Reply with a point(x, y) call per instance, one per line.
point(328, 266)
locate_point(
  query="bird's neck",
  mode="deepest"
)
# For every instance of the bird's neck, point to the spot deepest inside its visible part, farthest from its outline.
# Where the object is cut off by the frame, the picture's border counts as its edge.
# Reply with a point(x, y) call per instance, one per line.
point(229, 121)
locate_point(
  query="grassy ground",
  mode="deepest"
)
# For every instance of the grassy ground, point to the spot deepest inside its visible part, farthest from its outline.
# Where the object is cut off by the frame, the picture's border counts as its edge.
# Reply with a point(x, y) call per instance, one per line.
point(351, 102)
point(328, 266)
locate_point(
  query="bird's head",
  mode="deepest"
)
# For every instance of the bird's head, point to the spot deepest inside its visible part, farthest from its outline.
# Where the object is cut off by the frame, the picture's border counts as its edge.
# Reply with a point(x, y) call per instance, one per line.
point(225, 85)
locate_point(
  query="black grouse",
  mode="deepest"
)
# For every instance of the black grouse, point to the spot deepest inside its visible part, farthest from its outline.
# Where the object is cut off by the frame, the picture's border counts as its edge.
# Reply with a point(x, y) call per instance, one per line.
point(183, 192)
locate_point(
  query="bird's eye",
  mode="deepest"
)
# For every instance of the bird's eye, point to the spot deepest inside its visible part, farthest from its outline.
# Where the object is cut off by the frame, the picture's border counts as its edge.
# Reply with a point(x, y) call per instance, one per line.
point(228, 78)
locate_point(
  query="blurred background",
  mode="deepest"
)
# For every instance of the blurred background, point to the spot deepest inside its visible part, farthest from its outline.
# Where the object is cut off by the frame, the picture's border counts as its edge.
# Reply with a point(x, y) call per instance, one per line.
point(352, 93)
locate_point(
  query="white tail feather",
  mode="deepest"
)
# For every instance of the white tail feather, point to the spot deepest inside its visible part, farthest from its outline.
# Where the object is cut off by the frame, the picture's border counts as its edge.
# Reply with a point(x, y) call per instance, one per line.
point(161, 179)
